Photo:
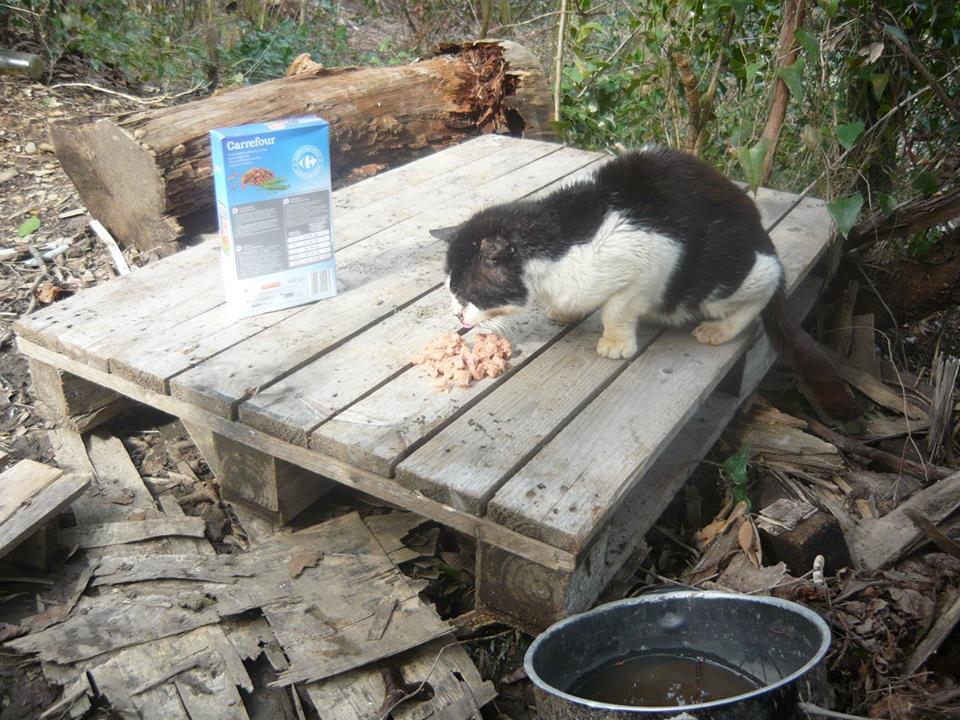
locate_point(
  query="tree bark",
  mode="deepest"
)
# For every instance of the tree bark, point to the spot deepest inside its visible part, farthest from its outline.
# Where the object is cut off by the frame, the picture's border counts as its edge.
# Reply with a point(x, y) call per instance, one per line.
point(787, 51)
point(148, 174)
point(907, 219)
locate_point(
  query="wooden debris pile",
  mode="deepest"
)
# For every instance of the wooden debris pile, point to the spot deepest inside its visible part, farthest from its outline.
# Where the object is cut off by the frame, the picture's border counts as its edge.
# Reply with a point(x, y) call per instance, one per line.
point(159, 625)
point(859, 521)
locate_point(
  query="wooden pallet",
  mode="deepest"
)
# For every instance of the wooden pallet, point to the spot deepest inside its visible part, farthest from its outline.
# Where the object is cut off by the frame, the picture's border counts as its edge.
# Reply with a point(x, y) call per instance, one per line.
point(557, 468)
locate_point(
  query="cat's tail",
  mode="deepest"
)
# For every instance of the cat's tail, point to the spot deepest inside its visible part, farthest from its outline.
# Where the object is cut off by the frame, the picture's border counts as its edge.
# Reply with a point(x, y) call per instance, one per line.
point(809, 359)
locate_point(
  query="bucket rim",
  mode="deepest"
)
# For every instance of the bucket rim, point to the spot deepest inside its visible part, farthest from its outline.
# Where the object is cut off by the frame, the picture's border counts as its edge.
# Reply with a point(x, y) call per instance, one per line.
point(808, 614)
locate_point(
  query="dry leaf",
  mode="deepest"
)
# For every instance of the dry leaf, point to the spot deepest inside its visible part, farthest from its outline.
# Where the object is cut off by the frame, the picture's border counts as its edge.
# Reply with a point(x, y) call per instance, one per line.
point(47, 292)
point(302, 559)
point(749, 540)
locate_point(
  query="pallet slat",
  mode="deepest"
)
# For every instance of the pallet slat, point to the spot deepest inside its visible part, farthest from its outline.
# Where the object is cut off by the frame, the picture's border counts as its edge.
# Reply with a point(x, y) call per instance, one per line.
point(407, 264)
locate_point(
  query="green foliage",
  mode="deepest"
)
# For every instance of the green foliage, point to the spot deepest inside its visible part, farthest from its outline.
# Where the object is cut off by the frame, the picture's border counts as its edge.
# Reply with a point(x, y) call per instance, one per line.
point(751, 160)
point(735, 469)
point(29, 226)
point(845, 212)
point(847, 134)
point(622, 85)
point(164, 45)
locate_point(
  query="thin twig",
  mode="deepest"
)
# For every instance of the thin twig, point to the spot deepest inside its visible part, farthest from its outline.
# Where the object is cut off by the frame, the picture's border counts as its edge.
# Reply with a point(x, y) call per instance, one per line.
point(559, 64)
point(132, 98)
point(812, 709)
point(924, 72)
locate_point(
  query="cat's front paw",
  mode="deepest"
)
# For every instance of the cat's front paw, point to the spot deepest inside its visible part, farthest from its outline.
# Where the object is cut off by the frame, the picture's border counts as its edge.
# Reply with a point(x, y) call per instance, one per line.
point(713, 332)
point(616, 347)
point(560, 317)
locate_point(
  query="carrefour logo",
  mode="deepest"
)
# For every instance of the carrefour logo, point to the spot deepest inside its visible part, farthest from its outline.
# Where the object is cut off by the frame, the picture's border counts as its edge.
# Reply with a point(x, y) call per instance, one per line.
point(307, 161)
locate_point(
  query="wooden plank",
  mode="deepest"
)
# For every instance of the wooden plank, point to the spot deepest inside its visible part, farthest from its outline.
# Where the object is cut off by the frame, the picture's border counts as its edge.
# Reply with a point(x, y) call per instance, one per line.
point(320, 463)
point(32, 494)
point(877, 543)
point(150, 679)
point(565, 493)
point(331, 623)
point(471, 458)
point(380, 430)
point(152, 361)
point(118, 480)
point(463, 167)
point(20, 483)
point(413, 174)
point(114, 314)
point(44, 327)
point(116, 533)
point(359, 693)
point(137, 568)
point(113, 621)
point(395, 268)
point(293, 407)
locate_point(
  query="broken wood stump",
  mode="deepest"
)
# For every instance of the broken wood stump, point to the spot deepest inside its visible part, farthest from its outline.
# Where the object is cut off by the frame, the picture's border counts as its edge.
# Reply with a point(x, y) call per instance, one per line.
point(272, 487)
point(68, 399)
point(796, 532)
point(144, 174)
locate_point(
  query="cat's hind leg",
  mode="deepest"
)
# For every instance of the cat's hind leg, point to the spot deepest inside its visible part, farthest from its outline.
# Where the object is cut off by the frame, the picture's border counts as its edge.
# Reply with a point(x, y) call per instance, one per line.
point(731, 315)
point(620, 314)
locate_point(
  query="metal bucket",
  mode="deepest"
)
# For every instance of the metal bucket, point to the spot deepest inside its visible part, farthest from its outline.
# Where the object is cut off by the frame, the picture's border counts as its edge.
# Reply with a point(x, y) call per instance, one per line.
point(777, 643)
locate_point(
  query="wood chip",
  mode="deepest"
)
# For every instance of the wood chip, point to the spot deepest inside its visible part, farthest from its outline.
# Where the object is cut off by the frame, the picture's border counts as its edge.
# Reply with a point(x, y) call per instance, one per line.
point(116, 533)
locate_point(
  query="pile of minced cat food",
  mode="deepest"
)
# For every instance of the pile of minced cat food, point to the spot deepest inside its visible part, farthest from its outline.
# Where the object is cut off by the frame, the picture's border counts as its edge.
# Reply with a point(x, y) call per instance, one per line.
point(449, 359)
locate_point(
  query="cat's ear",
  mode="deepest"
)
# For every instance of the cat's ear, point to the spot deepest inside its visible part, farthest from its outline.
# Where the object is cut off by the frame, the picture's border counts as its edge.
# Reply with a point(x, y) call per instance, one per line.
point(495, 249)
point(446, 234)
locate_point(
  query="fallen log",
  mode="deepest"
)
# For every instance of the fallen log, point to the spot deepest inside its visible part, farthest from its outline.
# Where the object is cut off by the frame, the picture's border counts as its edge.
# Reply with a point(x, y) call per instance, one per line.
point(147, 175)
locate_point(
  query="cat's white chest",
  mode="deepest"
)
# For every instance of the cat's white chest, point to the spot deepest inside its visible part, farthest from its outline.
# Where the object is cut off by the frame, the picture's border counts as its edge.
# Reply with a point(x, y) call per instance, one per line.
point(618, 256)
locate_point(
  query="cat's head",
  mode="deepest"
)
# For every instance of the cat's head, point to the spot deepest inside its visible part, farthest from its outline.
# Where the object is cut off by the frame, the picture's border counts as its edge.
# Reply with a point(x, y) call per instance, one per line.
point(484, 270)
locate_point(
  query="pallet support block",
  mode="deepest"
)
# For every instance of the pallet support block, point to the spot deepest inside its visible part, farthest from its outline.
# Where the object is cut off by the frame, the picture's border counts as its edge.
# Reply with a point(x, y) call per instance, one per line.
point(66, 398)
point(276, 489)
point(534, 596)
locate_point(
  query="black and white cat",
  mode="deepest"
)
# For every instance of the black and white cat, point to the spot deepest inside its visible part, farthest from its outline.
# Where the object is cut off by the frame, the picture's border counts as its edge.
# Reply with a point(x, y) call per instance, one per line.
point(656, 234)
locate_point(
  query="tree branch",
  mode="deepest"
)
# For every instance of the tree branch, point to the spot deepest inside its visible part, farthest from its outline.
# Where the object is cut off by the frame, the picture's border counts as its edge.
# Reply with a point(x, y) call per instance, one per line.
point(787, 51)
point(559, 64)
point(924, 72)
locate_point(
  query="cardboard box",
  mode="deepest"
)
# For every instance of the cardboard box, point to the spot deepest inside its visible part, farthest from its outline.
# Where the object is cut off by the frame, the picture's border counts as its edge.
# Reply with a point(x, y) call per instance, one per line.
point(272, 183)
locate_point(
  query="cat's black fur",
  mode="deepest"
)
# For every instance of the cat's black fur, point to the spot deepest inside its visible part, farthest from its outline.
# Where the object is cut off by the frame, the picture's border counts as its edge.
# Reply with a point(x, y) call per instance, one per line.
point(715, 225)
point(662, 190)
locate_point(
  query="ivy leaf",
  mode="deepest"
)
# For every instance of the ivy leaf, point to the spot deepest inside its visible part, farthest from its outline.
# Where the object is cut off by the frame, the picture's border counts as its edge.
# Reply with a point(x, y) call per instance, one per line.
point(30, 225)
point(845, 212)
point(848, 133)
point(750, 71)
point(751, 160)
point(878, 83)
point(888, 203)
point(792, 75)
point(926, 183)
point(809, 42)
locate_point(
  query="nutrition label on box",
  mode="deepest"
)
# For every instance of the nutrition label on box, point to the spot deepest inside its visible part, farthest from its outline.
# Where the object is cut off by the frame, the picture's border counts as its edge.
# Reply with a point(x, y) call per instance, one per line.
point(307, 221)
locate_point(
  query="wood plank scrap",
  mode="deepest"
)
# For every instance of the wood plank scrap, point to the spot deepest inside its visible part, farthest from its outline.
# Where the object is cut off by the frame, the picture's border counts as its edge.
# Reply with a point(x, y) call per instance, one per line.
point(458, 689)
point(31, 494)
point(158, 647)
point(877, 543)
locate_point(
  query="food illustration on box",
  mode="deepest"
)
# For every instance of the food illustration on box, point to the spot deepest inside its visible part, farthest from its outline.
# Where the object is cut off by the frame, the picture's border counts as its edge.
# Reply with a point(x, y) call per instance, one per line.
point(272, 184)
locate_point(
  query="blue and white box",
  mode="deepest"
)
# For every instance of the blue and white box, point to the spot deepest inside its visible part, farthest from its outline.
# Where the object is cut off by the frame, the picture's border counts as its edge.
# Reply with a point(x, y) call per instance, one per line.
point(272, 183)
